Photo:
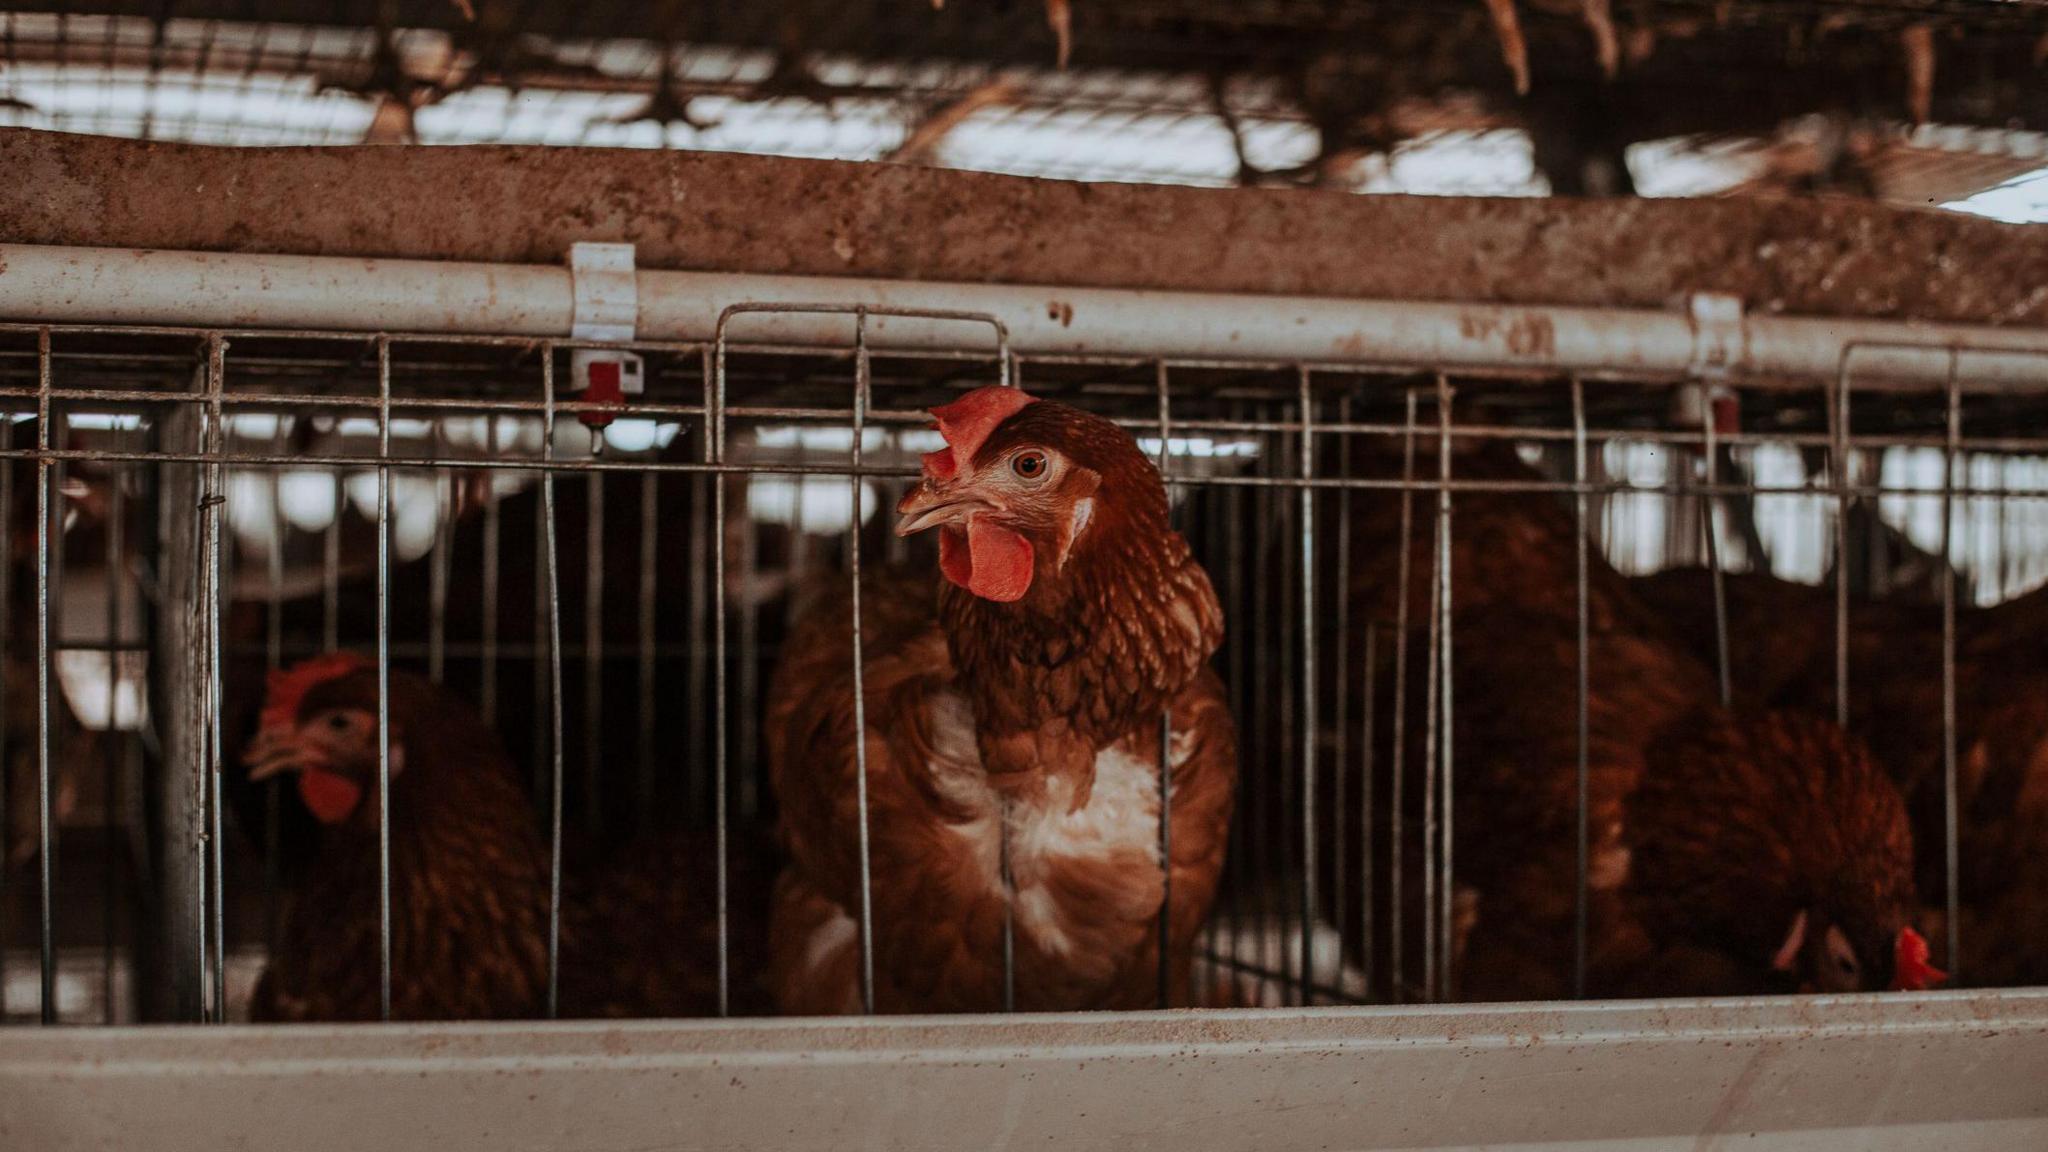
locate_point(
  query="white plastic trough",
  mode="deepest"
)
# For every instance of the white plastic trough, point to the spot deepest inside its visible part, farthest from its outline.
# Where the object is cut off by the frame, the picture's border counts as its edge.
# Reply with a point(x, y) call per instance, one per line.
point(1942, 1072)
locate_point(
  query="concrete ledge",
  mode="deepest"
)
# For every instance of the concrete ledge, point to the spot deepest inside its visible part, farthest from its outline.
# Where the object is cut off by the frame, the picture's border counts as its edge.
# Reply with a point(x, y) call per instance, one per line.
point(736, 213)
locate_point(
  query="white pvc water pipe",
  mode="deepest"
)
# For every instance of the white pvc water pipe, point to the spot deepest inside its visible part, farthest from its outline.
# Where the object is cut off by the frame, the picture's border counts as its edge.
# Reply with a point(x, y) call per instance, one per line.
point(205, 290)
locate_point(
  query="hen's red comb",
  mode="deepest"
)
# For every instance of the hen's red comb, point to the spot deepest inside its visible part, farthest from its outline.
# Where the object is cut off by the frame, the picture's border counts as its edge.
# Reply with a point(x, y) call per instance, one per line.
point(966, 424)
point(287, 687)
point(1910, 970)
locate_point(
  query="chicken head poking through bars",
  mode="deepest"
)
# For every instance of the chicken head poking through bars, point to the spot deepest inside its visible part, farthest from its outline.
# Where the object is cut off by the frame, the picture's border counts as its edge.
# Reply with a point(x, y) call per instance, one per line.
point(1014, 705)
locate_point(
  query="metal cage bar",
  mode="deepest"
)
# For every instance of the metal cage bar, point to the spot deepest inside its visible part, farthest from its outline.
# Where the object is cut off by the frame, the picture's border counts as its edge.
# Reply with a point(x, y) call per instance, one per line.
point(383, 679)
point(1309, 728)
point(1582, 694)
point(557, 800)
point(46, 879)
point(1165, 976)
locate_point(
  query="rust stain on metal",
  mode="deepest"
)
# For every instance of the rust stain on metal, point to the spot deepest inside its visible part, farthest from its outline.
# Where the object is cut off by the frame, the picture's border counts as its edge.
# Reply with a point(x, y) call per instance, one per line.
point(1476, 326)
point(1061, 311)
point(1530, 335)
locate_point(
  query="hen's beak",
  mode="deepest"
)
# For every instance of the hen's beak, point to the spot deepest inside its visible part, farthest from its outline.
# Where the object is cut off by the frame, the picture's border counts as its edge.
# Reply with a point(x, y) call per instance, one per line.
point(275, 752)
point(926, 507)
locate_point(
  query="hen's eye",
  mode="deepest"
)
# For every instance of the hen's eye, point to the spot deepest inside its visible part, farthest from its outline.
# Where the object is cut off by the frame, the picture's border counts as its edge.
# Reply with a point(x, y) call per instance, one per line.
point(338, 722)
point(1029, 465)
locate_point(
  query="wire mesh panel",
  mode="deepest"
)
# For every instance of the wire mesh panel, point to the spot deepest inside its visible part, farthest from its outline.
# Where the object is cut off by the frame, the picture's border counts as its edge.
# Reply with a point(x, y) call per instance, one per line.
point(1476, 626)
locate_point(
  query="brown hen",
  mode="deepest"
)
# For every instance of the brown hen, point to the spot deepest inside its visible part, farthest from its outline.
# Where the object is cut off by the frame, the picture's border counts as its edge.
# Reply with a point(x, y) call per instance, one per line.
point(1723, 847)
point(1895, 704)
point(1515, 740)
point(468, 869)
point(639, 927)
point(1013, 718)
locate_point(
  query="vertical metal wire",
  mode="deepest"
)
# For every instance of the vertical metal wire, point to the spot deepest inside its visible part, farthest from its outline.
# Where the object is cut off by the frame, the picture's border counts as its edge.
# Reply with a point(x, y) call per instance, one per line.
point(6, 638)
point(696, 674)
point(799, 553)
point(273, 659)
point(383, 678)
point(1431, 745)
point(1397, 895)
point(439, 563)
point(714, 453)
point(543, 598)
point(1368, 781)
point(46, 843)
point(1009, 883)
point(860, 701)
point(59, 435)
point(748, 673)
point(1162, 385)
point(650, 531)
point(1236, 579)
point(1838, 418)
point(1276, 627)
point(554, 671)
point(1446, 922)
point(1341, 699)
point(330, 572)
point(1306, 399)
point(1269, 832)
point(1583, 695)
point(1003, 872)
point(2009, 567)
point(593, 653)
point(487, 684)
point(110, 854)
point(1709, 503)
point(1950, 801)
point(211, 503)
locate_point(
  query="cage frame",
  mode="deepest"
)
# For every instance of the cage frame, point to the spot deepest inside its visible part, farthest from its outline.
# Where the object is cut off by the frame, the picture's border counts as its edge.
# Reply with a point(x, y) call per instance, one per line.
point(77, 1074)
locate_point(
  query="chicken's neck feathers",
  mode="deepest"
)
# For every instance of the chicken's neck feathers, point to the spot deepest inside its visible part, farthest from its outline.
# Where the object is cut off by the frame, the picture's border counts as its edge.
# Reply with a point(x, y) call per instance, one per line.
point(1094, 653)
point(450, 803)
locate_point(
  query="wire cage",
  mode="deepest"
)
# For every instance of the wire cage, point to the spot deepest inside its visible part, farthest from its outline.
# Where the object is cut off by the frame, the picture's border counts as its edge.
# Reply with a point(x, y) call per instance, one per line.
point(608, 588)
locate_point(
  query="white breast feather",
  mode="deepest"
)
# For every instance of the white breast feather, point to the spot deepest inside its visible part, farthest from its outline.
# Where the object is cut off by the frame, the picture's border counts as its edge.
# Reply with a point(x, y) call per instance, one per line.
point(1121, 819)
point(830, 938)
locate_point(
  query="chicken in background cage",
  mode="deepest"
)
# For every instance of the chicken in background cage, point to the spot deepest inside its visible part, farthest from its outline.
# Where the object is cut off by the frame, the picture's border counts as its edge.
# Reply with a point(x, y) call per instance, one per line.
point(1535, 689)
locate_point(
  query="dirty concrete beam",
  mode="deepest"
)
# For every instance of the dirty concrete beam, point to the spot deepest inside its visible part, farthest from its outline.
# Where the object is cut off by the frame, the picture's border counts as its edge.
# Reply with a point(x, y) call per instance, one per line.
point(725, 212)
